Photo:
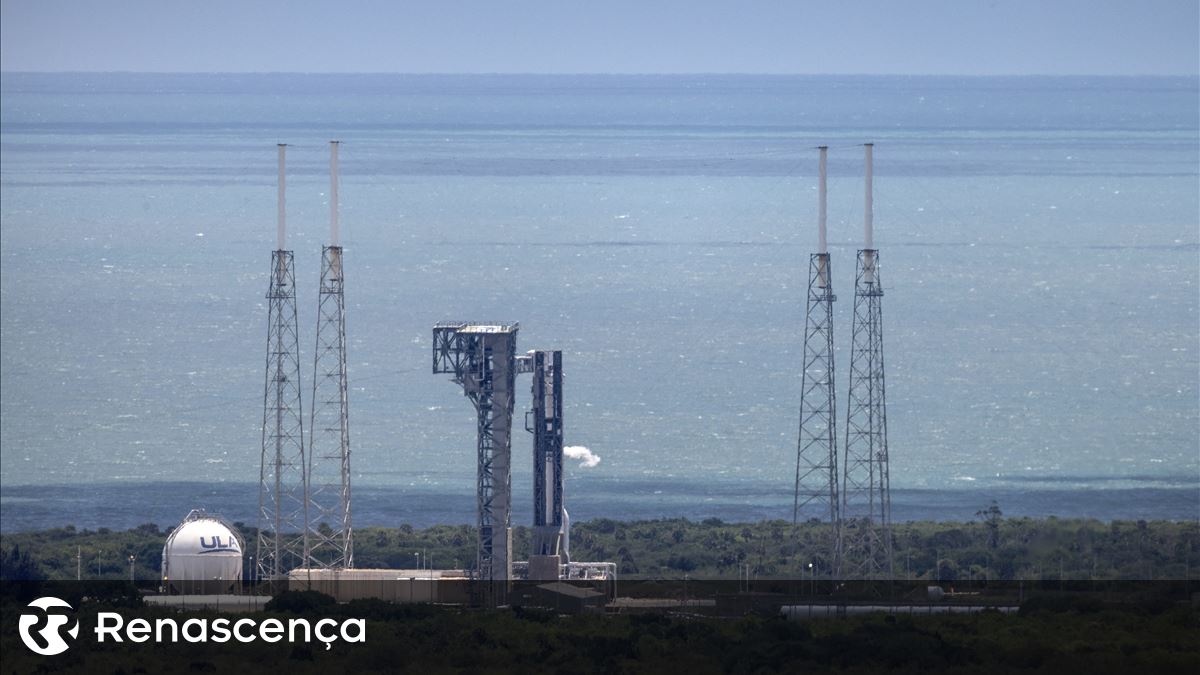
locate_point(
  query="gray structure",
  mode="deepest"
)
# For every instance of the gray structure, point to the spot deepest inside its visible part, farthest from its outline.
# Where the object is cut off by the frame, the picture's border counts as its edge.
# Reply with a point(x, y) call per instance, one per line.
point(330, 540)
point(482, 359)
point(282, 494)
point(816, 494)
point(545, 422)
point(866, 497)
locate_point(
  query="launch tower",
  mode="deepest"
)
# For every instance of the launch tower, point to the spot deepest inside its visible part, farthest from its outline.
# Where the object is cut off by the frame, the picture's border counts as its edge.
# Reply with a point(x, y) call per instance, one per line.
point(482, 359)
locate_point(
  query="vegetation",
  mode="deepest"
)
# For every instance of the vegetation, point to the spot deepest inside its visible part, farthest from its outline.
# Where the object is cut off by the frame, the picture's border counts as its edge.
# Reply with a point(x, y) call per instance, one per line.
point(1127, 630)
point(991, 548)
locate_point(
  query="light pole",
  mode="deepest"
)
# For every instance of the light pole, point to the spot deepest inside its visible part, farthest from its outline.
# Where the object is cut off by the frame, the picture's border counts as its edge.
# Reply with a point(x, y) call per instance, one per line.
point(131, 559)
point(98, 554)
point(417, 555)
point(812, 581)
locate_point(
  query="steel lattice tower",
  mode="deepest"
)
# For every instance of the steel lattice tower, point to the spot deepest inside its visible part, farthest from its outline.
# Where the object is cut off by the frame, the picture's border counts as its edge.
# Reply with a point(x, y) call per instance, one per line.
point(482, 359)
point(866, 498)
point(816, 493)
point(282, 495)
point(330, 535)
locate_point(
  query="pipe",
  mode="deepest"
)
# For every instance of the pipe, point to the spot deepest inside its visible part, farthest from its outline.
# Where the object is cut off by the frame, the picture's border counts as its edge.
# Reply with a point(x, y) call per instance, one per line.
point(869, 217)
point(281, 225)
point(822, 240)
point(333, 193)
point(822, 246)
point(869, 209)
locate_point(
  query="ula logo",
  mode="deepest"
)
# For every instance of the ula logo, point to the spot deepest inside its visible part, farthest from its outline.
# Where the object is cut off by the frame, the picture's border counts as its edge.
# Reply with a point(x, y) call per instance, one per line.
point(42, 631)
point(230, 544)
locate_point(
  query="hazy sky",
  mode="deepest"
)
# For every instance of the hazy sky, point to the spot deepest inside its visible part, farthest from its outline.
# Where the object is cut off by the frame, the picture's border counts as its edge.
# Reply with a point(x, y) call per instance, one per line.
point(976, 37)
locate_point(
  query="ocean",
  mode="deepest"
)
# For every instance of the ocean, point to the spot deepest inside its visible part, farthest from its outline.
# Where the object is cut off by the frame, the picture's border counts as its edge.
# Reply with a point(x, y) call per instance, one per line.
point(1039, 245)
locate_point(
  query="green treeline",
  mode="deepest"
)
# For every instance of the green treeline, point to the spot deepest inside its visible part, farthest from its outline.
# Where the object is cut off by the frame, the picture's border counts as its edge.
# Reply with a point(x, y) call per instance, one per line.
point(991, 548)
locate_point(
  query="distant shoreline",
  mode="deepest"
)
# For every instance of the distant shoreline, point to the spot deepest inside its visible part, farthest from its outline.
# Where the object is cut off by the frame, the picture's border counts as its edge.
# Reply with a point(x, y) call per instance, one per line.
point(120, 506)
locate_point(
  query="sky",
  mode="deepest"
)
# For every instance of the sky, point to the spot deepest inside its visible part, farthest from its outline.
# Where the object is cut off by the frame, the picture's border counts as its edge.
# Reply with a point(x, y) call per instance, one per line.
point(966, 37)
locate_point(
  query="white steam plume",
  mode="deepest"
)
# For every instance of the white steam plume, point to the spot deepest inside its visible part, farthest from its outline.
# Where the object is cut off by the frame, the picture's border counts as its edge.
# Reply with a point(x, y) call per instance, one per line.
point(587, 457)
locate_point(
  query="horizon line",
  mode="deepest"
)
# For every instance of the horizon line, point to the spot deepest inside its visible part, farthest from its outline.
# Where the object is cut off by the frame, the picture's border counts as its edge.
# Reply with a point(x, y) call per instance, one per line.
point(589, 73)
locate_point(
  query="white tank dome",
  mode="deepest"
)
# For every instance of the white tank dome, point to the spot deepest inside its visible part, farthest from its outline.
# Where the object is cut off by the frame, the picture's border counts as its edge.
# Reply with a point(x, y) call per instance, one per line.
point(202, 549)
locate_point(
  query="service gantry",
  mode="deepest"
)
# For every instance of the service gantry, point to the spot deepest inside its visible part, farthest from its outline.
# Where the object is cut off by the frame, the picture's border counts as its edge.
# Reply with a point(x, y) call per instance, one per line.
point(482, 359)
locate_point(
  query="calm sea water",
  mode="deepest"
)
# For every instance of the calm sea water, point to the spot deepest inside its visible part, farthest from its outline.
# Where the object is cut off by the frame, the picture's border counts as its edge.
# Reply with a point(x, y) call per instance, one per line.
point(1040, 243)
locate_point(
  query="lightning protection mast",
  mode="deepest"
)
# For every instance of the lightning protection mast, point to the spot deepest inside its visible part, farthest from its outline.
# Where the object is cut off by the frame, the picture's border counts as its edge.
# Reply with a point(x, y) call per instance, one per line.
point(816, 494)
point(866, 498)
point(330, 536)
point(283, 488)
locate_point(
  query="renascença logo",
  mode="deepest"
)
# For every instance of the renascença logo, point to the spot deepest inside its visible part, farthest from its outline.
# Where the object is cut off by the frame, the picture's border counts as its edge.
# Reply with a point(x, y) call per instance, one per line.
point(111, 625)
point(43, 631)
point(46, 626)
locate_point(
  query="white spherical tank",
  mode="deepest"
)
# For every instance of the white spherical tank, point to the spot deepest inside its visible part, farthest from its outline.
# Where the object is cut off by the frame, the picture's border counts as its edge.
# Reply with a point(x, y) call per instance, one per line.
point(202, 555)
